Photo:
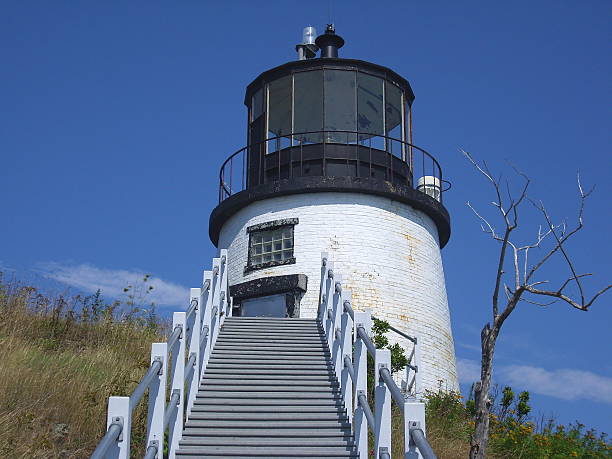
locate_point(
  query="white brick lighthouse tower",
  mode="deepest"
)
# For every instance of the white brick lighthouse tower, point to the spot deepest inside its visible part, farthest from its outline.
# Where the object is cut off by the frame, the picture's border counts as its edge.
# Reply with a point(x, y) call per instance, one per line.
point(330, 167)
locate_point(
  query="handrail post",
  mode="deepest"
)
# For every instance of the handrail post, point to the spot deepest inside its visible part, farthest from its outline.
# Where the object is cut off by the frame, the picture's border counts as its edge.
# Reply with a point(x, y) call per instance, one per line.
point(361, 384)
point(216, 300)
point(418, 375)
point(346, 382)
point(178, 383)
point(322, 310)
point(223, 293)
point(382, 399)
point(329, 294)
point(206, 319)
point(337, 308)
point(195, 294)
point(157, 399)
point(119, 412)
point(413, 412)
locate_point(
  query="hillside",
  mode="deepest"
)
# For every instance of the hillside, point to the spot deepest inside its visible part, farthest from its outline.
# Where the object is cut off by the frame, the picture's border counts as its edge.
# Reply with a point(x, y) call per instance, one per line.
point(62, 357)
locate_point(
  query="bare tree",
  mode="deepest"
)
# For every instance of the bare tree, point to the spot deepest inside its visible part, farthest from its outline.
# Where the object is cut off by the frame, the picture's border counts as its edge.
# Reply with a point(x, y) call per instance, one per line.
point(516, 277)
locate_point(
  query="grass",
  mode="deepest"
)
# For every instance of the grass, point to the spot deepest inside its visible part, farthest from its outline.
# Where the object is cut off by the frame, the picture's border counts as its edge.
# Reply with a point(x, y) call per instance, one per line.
point(60, 359)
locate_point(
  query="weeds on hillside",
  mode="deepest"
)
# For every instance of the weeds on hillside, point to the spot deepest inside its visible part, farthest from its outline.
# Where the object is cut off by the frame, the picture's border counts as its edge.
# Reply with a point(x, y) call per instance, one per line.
point(60, 359)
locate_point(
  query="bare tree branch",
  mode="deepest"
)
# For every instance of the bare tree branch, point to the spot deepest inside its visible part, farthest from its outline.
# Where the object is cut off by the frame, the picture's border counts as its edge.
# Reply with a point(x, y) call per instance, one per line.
point(557, 294)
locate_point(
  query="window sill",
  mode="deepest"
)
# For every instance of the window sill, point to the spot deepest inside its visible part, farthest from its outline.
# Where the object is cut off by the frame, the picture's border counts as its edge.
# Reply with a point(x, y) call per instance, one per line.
point(269, 264)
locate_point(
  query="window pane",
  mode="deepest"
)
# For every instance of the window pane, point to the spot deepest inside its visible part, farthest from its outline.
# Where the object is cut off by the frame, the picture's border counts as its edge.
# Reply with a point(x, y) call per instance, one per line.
point(340, 110)
point(278, 245)
point(287, 243)
point(267, 257)
point(275, 245)
point(393, 110)
point(279, 107)
point(266, 306)
point(369, 104)
point(257, 105)
point(277, 256)
point(288, 254)
point(308, 105)
point(256, 260)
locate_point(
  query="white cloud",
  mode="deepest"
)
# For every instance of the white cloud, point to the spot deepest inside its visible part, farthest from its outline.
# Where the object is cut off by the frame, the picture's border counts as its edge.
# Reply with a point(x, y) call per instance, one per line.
point(112, 282)
point(563, 383)
point(567, 384)
point(469, 371)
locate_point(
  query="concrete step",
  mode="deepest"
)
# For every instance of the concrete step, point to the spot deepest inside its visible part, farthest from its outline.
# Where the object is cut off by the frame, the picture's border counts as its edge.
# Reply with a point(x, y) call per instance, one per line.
point(266, 388)
point(268, 451)
point(275, 377)
point(295, 409)
point(294, 395)
point(241, 371)
point(321, 354)
point(263, 433)
point(270, 366)
point(239, 355)
point(293, 424)
point(255, 416)
point(242, 347)
point(266, 441)
point(266, 382)
point(270, 403)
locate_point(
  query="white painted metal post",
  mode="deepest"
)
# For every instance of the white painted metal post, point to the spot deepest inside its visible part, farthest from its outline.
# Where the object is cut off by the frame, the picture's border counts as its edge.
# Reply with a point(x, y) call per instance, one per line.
point(157, 399)
point(418, 388)
point(216, 301)
point(119, 412)
point(337, 308)
point(329, 294)
point(223, 293)
point(382, 400)
point(413, 412)
point(230, 307)
point(195, 295)
point(361, 384)
point(177, 384)
point(347, 354)
point(322, 288)
point(207, 298)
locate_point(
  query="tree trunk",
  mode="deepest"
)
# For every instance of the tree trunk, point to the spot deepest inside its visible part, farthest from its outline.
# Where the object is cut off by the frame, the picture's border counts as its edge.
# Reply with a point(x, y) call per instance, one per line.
point(480, 439)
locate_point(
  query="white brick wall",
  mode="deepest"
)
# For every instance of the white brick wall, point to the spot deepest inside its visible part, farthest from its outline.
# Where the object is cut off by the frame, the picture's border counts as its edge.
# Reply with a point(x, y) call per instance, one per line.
point(387, 252)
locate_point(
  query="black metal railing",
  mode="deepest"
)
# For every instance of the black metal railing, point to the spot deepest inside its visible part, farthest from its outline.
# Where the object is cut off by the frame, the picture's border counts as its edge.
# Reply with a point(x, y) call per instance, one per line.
point(331, 154)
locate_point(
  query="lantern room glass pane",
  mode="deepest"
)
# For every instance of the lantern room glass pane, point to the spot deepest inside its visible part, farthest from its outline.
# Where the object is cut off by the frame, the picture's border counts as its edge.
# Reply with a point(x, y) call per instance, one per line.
point(369, 105)
point(257, 105)
point(393, 110)
point(340, 106)
point(279, 107)
point(393, 119)
point(308, 106)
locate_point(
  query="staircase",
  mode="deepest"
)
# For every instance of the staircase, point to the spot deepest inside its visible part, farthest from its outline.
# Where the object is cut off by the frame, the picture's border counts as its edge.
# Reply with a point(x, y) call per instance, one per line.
point(268, 390)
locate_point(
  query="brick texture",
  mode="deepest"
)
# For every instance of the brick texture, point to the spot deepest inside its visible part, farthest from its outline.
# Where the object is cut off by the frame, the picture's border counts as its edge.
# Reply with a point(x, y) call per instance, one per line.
point(387, 253)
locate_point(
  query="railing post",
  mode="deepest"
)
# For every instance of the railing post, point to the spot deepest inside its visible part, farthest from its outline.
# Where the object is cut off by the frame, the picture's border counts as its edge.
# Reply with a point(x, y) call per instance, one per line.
point(216, 301)
point(207, 297)
point(336, 311)
point(195, 295)
point(346, 383)
point(178, 383)
point(361, 384)
point(223, 293)
point(329, 295)
point(413, 412)
point(119, 412)
point(322, 310)
point(157, 399)
point(418, 374)
point(382, 399)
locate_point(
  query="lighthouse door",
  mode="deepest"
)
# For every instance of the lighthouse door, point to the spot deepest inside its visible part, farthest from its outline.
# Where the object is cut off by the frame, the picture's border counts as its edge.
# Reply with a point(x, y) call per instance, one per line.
point(265, 306)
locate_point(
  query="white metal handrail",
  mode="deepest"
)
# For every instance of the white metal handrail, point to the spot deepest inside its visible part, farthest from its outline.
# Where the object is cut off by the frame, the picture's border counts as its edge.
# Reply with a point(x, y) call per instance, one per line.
point(348, 335)
point(194, 333)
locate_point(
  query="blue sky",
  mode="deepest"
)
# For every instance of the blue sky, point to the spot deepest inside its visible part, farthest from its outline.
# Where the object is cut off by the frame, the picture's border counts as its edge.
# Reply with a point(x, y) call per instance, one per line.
point(115, 118)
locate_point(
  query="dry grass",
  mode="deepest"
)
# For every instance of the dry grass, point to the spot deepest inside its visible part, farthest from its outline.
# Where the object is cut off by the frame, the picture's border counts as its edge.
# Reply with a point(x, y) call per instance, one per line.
point(58, 366)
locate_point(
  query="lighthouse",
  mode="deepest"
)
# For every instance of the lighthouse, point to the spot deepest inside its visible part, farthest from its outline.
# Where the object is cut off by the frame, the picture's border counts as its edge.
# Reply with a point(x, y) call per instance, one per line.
point(330, 166)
